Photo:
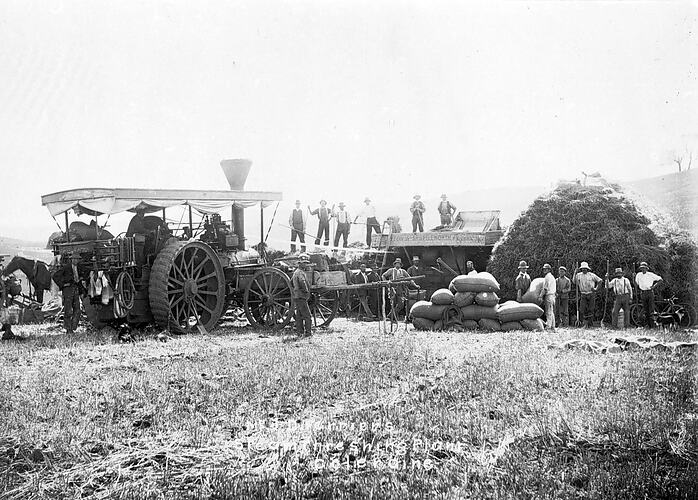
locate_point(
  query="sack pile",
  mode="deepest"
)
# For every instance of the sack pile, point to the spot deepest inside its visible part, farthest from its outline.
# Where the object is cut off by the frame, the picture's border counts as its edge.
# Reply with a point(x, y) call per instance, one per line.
point(471, 302)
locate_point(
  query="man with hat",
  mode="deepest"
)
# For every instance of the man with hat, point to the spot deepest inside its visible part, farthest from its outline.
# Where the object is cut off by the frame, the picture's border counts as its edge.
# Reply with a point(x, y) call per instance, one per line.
point(547, 296)
point(300, 288)
point(446, 211)
point(417, 209)
point(298, 221)
point(68, 279)
point(522, 281)
point(562, 303)
point(323, 213)
point(400, 292)
point(623, 292)
point(414, 269)
point(362, 278)
point(470, 268)
point(369, 212)
point(587, 284)
point(343, 225)
point(646, 281)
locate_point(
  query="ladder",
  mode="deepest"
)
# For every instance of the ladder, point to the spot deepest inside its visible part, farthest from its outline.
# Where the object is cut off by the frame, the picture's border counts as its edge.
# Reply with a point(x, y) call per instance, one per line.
point(386, 239)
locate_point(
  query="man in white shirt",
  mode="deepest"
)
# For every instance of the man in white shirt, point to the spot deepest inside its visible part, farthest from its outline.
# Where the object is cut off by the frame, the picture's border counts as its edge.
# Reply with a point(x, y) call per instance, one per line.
point(646, 281)
point(623, 292)
point(547, 296)
point(369, 212)
point(587, 285)
point(343, 225)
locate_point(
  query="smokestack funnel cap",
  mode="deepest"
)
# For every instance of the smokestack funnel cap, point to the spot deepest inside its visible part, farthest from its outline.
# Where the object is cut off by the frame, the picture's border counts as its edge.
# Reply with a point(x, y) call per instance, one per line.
point(236, 171)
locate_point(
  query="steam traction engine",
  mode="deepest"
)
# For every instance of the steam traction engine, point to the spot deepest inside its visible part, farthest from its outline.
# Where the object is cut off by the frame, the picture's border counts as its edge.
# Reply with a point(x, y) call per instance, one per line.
point(181, 279)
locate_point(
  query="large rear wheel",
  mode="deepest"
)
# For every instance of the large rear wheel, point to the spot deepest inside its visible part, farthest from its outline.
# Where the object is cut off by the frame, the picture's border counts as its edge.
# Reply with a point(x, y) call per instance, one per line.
point(187, 287)
point(268, 301)
point(323, 307)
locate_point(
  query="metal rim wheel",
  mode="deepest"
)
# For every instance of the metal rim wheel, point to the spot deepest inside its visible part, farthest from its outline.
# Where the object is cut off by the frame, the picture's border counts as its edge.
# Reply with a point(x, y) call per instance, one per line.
point(187, 287)
point(637, 315)
point(268, 300)
point(686, 318)
point(323, 307)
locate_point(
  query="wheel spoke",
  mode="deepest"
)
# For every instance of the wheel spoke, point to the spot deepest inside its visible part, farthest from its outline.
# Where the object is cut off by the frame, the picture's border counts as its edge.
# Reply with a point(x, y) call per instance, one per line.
point(197, 270)
point(192, 260)
point(204, 278)
point(175, 290)
point(208, 292)
point(176, 300)
point(199, 301)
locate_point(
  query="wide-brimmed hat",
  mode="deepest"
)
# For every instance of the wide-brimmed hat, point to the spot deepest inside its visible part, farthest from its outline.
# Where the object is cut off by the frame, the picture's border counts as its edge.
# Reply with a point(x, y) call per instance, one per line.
point(397, 261)
point(547, 266)
point(323, 201)
point(618, 270)
point(417, 196)
point(523, 265)
point(562, 268)
point(415, 257)
point(644, 264)
point(584, 265)
point(298, 202)
point(341, 204)
point(304, 257)
point(367, 200)
point(444, 196)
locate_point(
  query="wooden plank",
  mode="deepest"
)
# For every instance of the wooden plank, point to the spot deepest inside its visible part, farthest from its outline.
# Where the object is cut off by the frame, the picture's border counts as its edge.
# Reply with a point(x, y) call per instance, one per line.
point(442, 238)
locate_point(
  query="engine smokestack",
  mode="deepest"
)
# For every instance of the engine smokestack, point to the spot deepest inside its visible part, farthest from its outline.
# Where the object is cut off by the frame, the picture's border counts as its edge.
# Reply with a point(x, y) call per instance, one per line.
point(236, 171)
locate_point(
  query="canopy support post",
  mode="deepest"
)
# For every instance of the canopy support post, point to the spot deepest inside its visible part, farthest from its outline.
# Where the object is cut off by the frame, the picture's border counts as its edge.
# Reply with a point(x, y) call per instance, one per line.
point(191, 224)
point(67, 229)
point(261, 224)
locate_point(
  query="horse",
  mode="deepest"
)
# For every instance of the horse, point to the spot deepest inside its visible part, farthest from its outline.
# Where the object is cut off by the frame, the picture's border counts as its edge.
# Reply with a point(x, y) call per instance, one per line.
point(37, 273)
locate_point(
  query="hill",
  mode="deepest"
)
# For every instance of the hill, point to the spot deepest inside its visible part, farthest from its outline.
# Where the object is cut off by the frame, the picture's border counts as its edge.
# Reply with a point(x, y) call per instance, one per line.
point(30, 249)
point(676, 194)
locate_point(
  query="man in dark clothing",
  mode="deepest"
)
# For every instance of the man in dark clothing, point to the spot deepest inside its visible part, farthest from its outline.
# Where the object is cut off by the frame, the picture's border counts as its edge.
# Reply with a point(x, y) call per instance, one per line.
point(522, 281)
point(136, 226)
point(343, 225)
point(446, 211)
point(324, 215)
point(417, 210)
point(414, 269)
point(68, 279)
point(297, 220)
point(361, 278)
point(300, 288)
point(623, 292)
point(564, 285)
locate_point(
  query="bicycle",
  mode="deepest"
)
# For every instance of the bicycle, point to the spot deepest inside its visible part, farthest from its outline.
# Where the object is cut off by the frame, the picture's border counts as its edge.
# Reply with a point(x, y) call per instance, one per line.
point(685, 313)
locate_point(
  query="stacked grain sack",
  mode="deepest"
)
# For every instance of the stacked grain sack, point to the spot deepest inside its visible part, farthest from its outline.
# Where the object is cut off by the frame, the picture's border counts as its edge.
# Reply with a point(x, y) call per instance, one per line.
point(471, 302)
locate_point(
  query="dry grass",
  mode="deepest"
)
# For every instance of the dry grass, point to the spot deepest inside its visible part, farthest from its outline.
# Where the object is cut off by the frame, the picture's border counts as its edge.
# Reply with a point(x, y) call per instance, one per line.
point(348, 413)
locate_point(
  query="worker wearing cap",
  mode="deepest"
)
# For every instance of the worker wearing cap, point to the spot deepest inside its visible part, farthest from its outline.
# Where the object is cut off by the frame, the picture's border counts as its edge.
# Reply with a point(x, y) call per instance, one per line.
point(646, 281)
point(323, 213)
point(362, 278)
point(470, 268)
point(68, 279)
point(398, 273)
point(623, 291)
point(414, 269)
point(588, 284)
point(343, 225)
point(522, 281)
point(563, 285)
point(369, 213)
point(547, 296)
point(446, 211)
point(417, 210)
point(300, 288)
point(298, 221)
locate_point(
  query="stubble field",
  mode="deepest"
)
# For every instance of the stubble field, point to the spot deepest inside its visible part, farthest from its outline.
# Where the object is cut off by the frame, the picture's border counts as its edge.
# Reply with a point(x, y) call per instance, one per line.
point(349, 413)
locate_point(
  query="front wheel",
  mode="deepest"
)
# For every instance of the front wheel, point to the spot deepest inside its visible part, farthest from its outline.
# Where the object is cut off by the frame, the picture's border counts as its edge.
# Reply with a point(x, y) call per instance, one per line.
point(637, 315)
point(323, 307)
point(687, 315)
point(268, 300)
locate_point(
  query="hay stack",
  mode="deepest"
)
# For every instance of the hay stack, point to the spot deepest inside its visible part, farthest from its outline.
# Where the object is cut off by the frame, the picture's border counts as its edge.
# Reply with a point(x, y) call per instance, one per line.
point(575, 223)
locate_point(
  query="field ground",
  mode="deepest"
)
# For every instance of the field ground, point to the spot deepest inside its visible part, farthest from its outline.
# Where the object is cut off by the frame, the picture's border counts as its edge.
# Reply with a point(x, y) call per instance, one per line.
point(348, 413)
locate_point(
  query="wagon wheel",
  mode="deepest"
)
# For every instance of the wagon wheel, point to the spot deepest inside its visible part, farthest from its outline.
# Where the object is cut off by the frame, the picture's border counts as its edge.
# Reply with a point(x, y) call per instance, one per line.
point(637, 315)
point(268, 301)
point(187, 286)
point(323, 307)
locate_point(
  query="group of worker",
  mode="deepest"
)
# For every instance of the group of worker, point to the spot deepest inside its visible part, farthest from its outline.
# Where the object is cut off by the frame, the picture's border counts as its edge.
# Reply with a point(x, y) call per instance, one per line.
point(298, 221)
point(554, 294)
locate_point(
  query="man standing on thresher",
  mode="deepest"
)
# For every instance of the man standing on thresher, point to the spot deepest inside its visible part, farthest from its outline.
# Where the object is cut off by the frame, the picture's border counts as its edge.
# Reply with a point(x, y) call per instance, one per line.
point(301, 293)
point(623, 292)
point(323, 213)
point(67, 277)
point(446, 211)
point(522, 281)
point(587, 285)
point(647, 281)
point(369, 212)
point(297, 221)
point(343, 225)
point(417, 210)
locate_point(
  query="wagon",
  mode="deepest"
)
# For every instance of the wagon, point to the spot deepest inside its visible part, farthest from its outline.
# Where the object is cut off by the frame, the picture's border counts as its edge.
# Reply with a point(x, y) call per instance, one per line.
point(179, 278)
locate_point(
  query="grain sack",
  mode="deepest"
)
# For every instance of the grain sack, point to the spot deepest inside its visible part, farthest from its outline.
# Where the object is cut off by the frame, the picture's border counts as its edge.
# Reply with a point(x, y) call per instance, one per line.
point(425, 309)
point(438, 325)
point(531, 296)
point(491, 325)
point(480, 282)
point(510, 326)
point(515, 311)
point(470, 324)
point(533, 324)
point(462, 299)
point(422, 324)
point(442, 297)
point(487, 299)
point(477, 312)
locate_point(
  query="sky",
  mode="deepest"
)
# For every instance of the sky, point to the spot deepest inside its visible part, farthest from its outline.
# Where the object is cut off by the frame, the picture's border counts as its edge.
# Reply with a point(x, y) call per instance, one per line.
point(337, 99)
